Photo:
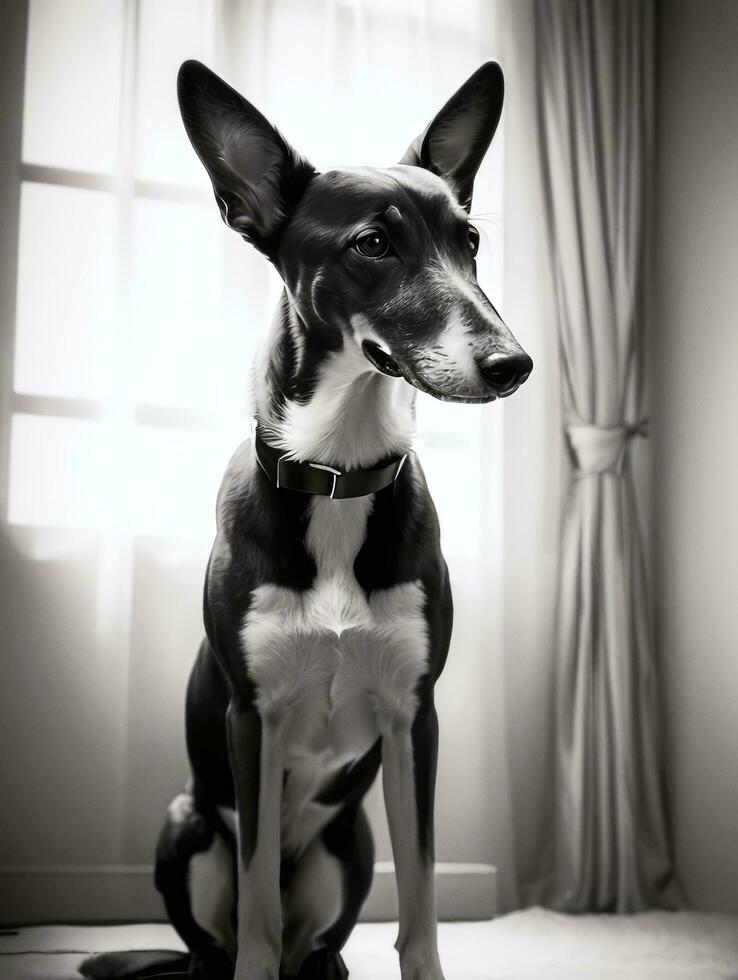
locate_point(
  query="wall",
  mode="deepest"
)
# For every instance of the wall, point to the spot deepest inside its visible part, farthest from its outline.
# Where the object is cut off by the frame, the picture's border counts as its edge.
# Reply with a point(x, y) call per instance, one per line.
point(695, 414)
point(532, 475)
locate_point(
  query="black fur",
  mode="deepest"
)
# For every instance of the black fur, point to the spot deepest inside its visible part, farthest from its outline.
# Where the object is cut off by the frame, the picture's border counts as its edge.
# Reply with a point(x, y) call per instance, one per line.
point(454, 144)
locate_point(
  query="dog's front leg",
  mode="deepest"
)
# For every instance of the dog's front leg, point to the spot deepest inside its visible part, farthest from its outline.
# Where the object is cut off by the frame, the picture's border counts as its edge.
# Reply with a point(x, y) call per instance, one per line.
point(256, 753)
point(409, 758)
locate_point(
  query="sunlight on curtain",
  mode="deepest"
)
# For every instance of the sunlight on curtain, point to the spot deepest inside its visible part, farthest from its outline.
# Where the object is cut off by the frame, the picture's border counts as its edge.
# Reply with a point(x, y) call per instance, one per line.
point(139, 315)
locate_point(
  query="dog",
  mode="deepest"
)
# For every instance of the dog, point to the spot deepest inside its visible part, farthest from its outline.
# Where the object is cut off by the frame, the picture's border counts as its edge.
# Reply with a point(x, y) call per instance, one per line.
point(327, 603)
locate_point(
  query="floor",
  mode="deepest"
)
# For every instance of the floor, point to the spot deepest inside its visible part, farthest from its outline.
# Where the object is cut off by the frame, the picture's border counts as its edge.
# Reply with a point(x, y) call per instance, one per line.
point(532, 945)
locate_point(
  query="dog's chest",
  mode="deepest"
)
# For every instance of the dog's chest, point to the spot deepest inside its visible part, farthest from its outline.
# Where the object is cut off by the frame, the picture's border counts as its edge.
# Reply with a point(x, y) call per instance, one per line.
point(332, 664)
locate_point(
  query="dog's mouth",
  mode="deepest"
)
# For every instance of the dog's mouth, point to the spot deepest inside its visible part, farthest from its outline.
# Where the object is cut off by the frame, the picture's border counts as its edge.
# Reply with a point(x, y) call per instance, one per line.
point(381, 359)
point(462, 393)
point(388, 366)
point(460, 396)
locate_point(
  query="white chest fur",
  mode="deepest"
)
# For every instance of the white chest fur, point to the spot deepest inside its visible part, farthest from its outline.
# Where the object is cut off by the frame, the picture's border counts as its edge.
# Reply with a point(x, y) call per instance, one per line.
point(334, 666)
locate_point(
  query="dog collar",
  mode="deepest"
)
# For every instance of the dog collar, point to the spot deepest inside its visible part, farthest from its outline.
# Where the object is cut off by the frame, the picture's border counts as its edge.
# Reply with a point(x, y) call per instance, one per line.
point(322, 480)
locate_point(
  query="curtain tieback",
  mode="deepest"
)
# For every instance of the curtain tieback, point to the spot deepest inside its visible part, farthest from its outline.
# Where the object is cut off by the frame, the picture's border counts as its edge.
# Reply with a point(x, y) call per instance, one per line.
point(601, 448)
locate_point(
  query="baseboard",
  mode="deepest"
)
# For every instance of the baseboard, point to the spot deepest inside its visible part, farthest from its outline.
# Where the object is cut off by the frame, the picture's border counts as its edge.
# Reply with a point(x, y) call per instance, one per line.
point(126, 893)
point(463, 892)
point(79, 893)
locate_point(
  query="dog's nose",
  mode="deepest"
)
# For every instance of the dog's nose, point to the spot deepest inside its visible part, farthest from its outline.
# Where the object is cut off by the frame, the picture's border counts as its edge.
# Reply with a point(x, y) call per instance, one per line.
point(505, 372)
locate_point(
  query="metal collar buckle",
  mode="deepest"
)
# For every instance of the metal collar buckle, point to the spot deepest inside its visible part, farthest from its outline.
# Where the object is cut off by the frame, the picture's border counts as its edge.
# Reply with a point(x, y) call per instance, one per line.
point(315, 466)
point(328, 469)
point(278, 462)
point(399, 467)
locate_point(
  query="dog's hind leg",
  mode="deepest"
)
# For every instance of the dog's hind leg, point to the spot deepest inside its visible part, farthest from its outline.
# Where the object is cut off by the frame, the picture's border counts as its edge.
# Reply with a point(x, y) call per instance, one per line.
point(195, 874)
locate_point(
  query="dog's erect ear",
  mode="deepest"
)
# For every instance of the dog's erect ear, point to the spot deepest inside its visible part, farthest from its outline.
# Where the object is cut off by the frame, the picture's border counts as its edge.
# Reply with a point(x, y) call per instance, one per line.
point(257, 177)
point(454, 144)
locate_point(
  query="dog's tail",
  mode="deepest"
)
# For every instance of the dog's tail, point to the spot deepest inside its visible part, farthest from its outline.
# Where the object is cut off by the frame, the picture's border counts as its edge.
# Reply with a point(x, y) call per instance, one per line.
point(137, 965)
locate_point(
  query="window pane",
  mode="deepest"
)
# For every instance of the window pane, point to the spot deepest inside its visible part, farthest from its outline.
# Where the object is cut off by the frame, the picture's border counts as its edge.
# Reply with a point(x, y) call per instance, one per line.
point(296, 95)
point(72, 91)
point(457, 17)
point(58, 473)
point(169, 33)
point(177, 480)
point(176, 310)
point(438, 416)
point(76, 473)
point(65, 291)
point(453, 476)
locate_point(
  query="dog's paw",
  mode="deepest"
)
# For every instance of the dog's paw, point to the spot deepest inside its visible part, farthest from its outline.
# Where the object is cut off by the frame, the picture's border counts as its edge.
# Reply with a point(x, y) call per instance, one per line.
point(324, 964)
point(256, 963)
point(420, 964)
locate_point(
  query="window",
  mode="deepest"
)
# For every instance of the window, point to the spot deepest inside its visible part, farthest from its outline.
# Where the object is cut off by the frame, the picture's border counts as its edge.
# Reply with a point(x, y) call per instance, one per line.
point(138, 314)
point(120, 341)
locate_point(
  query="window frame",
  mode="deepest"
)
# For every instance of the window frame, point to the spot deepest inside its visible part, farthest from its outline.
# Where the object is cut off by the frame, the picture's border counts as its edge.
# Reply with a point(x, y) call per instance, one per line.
point(12, 83)
point(122, 185)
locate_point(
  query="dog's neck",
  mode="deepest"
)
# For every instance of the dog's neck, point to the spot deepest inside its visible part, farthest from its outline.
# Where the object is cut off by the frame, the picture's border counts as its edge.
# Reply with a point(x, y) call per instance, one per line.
point(318, 398)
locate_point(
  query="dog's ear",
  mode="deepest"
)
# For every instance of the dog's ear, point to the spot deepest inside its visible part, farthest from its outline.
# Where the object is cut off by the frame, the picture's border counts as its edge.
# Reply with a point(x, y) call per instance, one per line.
point(257, 177)
point(454, 144)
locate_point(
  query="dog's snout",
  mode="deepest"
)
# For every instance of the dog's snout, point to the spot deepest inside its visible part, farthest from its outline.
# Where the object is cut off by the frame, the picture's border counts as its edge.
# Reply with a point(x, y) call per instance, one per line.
point(504, 373)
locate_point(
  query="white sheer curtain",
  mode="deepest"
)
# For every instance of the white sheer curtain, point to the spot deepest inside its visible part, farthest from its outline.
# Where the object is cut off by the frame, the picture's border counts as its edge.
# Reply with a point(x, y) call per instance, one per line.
point(128, 331)
point(595, 91)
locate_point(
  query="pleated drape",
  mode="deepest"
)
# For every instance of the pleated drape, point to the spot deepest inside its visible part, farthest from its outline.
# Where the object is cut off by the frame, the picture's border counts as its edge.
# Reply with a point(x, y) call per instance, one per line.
point(594, 87)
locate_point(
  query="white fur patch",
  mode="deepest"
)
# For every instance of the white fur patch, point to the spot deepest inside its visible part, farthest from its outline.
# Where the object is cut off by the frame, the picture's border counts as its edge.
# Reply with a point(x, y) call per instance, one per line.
point(297, 334)
point(335, 667)
point(356, 416)
point(212, 893)
point(180, 808)
point(451, 361)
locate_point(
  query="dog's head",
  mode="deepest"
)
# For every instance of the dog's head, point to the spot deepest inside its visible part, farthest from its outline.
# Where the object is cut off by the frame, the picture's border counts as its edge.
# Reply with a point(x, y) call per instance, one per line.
point(380, 258)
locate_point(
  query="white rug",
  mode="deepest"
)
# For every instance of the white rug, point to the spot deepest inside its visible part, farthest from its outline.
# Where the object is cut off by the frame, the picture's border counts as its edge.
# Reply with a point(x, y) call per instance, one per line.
point(531, 945)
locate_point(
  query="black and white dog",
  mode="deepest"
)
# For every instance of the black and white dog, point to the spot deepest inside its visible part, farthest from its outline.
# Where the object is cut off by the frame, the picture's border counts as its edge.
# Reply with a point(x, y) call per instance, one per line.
point(327, 602)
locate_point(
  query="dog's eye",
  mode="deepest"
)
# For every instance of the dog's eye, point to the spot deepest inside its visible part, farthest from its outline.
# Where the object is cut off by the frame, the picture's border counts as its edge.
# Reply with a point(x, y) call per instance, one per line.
point(372, 243)
point(472, 238)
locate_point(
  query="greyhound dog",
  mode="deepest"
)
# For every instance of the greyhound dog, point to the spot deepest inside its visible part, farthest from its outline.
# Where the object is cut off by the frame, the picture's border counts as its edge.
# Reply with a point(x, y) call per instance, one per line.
point(327, 602)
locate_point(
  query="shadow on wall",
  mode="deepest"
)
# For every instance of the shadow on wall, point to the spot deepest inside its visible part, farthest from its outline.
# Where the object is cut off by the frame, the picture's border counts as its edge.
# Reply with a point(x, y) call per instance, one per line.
point(82, 725)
